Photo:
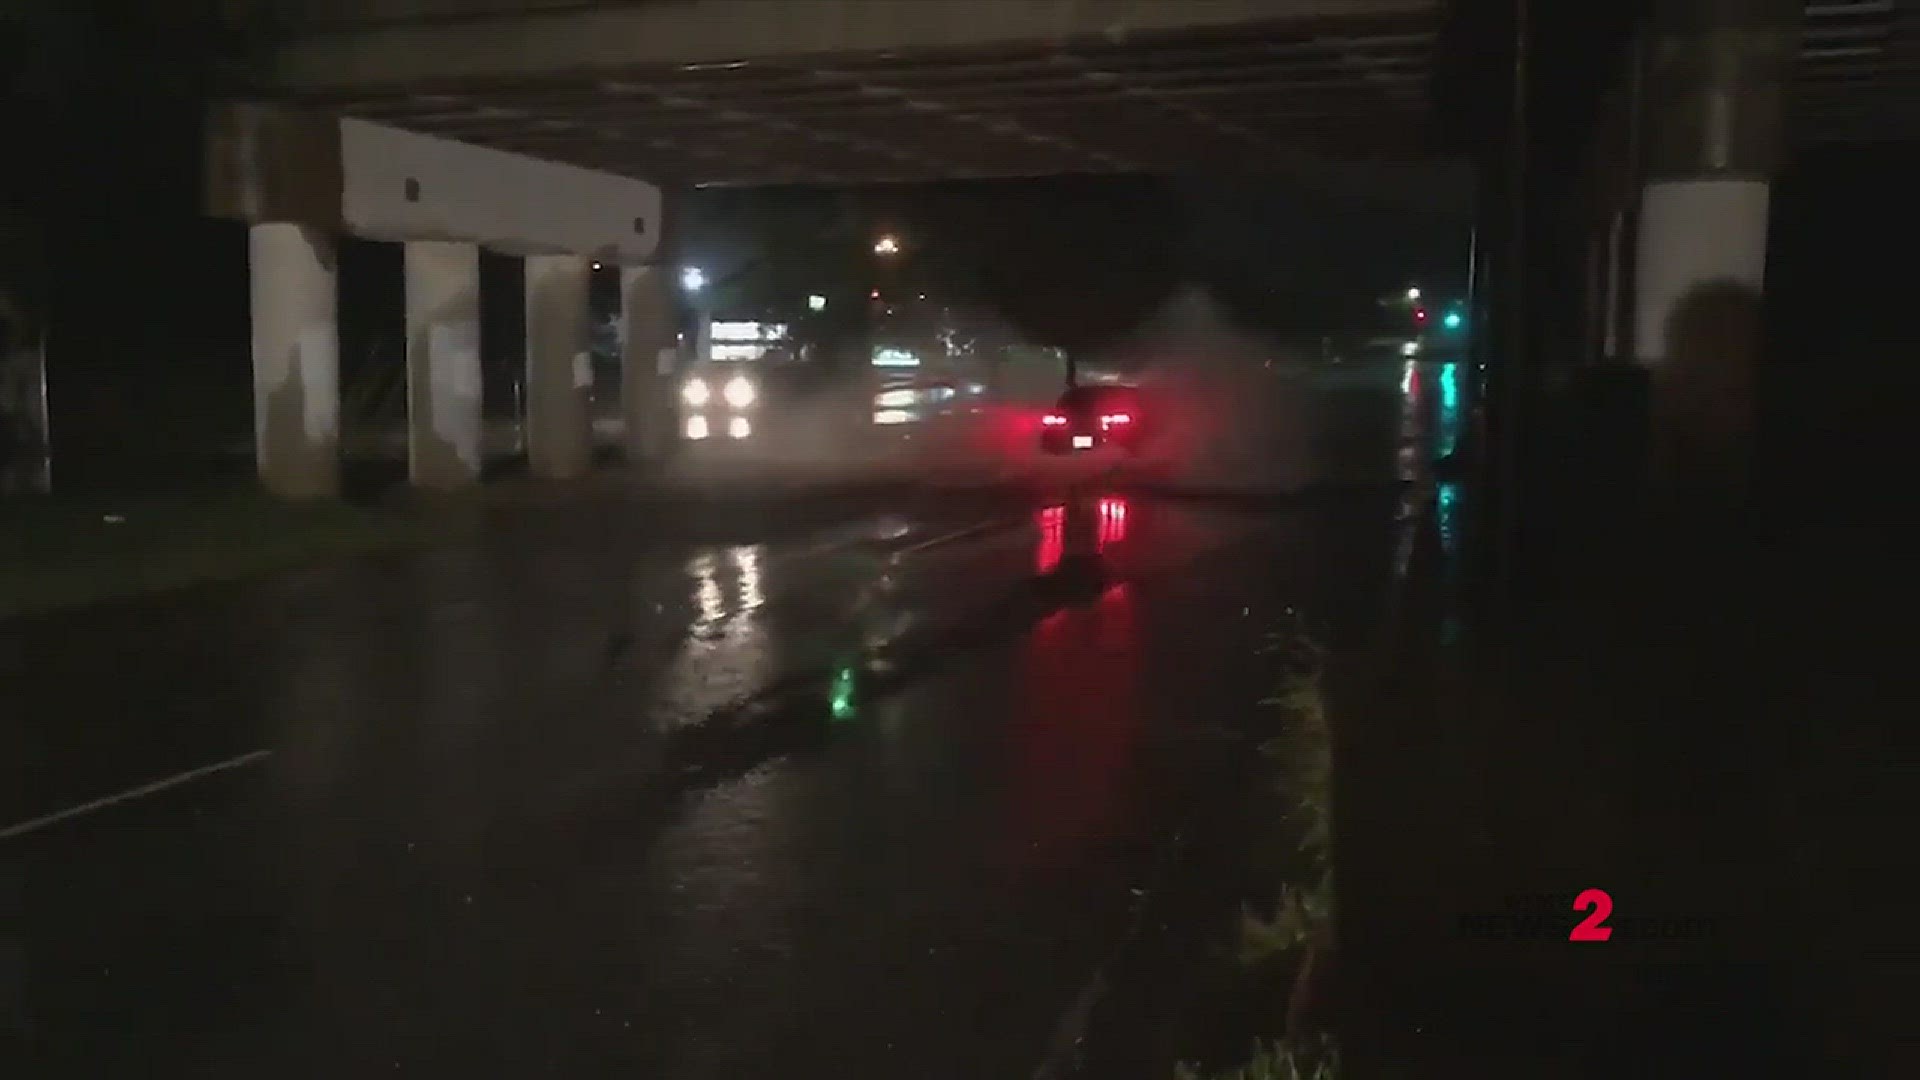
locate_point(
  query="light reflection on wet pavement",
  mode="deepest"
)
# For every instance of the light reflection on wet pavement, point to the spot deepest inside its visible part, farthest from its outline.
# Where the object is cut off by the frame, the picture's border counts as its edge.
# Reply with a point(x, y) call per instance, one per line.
point(482, 844)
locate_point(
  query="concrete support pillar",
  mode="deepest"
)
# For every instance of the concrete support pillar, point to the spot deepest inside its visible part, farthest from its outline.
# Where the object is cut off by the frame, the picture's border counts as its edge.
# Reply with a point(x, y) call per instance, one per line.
point(559, 368)
point(443, 364)
point(296, 360)
point(26, 458)
point(649, 359)
point(1716, 85)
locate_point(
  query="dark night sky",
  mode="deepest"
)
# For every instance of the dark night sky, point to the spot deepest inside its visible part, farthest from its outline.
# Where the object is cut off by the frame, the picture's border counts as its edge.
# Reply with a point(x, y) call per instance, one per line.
point(1077, 259)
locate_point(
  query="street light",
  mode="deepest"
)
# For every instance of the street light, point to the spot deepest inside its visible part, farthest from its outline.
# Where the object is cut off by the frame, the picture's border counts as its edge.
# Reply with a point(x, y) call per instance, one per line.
point(1413, 293)
point(693, 279)
point(886, 245)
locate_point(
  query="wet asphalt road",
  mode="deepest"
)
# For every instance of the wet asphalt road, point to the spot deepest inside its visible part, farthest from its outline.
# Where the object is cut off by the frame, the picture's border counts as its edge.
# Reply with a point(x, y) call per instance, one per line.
point(834, 787)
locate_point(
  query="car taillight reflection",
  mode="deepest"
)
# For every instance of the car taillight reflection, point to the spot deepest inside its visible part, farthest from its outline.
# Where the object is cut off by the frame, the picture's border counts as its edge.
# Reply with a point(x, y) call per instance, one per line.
point(1113, 521)
point(1053, 539)
point(1115, 420)
point(1074, 735)
point(1053, 420)
point(1109, 527)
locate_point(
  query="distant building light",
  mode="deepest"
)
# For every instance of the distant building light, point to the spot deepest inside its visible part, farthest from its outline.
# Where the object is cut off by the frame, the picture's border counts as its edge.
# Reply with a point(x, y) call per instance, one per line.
point(737, 350)
point(1413, 293)
point(893, 416)
point(893, 399)
point(816, 302)
point(1411, 348)
point(735, 331)
point(895, 358)
point(693, 279)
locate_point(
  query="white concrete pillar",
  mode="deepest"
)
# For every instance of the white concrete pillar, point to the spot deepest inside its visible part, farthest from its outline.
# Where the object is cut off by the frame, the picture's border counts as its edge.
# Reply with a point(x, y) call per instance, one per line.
point(443, 364)
point(1717, 77)
point(648, 357)
point(1695, 234)
point(559, 367)
point(296, 360)
point(26, 458)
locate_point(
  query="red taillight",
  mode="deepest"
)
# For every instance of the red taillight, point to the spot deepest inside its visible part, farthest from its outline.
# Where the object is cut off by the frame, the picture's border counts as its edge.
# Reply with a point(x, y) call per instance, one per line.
point(1053, 419)
point(1113, 419)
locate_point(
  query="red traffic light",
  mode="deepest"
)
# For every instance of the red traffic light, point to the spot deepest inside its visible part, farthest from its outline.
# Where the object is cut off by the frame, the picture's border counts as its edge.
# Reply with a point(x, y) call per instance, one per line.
point(1419, 315)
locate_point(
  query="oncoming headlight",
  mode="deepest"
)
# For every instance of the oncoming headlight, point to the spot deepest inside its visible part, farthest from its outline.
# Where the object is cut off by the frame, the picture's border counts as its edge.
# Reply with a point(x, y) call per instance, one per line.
point(695, 393)
point(738, 392)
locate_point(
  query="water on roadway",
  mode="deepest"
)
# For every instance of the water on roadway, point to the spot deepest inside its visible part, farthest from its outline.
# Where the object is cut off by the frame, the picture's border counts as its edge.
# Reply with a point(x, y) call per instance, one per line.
point(837, 794)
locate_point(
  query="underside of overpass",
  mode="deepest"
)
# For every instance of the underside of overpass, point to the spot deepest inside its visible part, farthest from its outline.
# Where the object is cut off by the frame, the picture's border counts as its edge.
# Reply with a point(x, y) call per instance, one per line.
point(957, 90)
point(834, 92)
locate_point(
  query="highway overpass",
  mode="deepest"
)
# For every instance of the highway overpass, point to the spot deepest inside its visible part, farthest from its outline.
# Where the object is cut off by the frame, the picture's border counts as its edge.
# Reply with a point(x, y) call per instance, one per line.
point(557, 131)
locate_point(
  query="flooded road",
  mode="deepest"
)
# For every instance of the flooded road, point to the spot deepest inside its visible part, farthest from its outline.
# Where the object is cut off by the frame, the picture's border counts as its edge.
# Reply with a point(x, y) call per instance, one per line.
point(657, 788)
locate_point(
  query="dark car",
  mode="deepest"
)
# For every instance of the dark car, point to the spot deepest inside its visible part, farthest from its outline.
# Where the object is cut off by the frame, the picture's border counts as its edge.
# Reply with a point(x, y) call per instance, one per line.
point(1090, 417)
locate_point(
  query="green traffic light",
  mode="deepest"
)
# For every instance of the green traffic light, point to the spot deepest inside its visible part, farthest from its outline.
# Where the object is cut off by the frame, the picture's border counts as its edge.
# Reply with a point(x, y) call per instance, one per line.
point(1453, 320)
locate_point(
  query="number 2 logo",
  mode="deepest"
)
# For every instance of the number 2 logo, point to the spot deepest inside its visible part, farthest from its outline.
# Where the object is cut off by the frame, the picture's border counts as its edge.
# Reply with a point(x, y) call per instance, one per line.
point(1590, 928)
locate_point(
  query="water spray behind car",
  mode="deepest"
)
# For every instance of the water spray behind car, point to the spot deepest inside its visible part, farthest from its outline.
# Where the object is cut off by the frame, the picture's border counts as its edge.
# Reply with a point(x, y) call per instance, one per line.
point(1232, 411)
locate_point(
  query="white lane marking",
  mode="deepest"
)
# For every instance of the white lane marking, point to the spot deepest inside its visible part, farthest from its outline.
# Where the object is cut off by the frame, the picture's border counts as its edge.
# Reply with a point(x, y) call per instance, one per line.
point(130, 794)
point(814, 550)
point(243, 760)
point(1070, 1030)
point(978, 528)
